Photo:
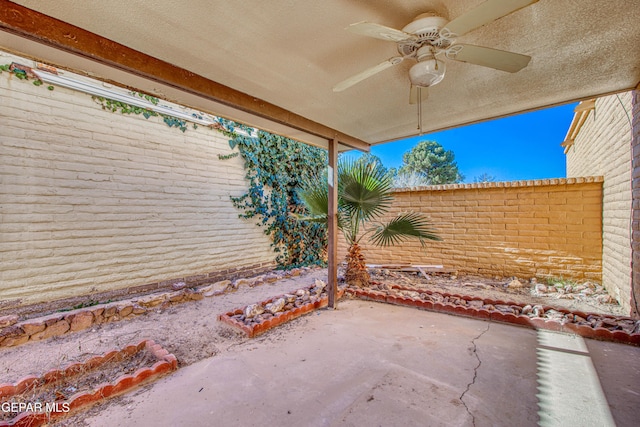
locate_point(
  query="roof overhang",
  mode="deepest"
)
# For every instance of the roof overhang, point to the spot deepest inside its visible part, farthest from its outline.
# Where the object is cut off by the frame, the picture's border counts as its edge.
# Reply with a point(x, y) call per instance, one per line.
point(273, 65)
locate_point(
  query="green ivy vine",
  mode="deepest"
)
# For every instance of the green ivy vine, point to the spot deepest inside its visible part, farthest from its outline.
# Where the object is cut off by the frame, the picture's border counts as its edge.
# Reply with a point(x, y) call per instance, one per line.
point(228, 156)
point(22, 75)
point(275, 166)
point(124, 108)
point(109, 104)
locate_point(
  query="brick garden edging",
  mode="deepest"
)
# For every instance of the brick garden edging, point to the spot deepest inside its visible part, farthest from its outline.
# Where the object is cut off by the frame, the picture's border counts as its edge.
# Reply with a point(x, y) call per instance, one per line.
point(165, 363)
point(486, 310)
point(232, 318)
point(461, 305)
point(14, 333)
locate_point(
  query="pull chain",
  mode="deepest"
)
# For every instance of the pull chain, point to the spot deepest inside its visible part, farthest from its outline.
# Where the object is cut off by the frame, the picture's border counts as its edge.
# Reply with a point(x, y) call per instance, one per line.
point(419, 89)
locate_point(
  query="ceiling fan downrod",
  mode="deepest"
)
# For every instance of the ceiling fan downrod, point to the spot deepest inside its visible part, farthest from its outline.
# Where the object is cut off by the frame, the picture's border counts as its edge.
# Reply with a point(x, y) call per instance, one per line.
point(419, 89)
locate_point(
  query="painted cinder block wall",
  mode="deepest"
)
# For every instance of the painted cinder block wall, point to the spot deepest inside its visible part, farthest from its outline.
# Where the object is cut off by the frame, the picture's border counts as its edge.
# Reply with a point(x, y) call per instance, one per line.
point(635, 291)
point(93, 201)
point(525, 228)
point(603, 147)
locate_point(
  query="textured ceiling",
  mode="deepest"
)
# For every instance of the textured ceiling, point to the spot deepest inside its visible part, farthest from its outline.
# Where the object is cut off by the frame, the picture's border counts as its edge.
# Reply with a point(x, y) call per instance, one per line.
point(292, 53)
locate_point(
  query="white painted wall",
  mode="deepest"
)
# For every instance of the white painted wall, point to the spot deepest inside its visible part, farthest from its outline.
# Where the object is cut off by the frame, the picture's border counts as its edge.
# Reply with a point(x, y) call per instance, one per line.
point(94, 201)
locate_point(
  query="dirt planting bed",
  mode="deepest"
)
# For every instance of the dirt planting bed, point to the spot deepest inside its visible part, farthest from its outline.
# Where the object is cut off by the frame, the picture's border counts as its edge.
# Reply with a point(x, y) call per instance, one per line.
point(585, 296)
point(14, 332)
point(34, 401)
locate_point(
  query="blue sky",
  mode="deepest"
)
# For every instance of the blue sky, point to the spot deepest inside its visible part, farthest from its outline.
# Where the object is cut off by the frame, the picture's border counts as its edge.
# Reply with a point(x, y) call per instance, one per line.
point(526, 146)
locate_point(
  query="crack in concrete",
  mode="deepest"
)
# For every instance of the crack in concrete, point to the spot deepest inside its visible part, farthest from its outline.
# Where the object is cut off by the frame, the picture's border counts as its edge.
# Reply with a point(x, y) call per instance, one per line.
point(475, 373)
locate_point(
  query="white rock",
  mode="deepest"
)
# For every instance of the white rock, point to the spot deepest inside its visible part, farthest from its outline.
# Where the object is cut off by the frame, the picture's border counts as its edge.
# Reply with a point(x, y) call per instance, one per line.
point(217, 288)
point(537, 311)
point(255, 281)
point(253, 310)
point(240, 282)
point(275, 306)
point(178, 285)
point(605, 299)
point(411, 294)
point(540, 288)
point(515, 283)
point(554, 314)
point(476, 303)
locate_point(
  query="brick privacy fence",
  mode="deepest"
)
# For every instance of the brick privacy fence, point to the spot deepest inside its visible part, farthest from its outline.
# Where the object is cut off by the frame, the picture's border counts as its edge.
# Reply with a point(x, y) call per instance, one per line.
point(94, 201)
point(524, 228)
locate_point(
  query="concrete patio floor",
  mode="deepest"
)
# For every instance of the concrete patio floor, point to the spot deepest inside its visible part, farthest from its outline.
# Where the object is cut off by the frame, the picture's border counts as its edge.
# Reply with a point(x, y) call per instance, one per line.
point(371, 364)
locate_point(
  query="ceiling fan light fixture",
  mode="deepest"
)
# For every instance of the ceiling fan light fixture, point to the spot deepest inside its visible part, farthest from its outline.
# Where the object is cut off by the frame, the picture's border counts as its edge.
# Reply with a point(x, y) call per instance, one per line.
point(430, 35)
point(427, 72)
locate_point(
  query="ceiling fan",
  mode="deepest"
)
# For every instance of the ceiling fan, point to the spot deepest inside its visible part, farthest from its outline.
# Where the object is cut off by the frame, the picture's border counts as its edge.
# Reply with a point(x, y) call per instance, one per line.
point(429, 36)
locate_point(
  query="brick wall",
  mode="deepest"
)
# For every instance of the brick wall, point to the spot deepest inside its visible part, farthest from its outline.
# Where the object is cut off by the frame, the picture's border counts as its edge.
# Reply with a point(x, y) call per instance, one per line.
point(635, 291)
point(602, 147)
point(94, 201)
point(524, 229)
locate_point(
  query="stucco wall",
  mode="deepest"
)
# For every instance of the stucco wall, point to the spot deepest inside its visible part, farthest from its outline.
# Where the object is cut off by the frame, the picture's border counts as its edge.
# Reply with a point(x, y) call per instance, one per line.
point(525, 228)
point(94, 201)
point(603, 147)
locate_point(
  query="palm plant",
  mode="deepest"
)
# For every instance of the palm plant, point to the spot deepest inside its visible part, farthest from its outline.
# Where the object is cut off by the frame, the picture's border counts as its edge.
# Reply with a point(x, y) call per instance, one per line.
point(364, 195)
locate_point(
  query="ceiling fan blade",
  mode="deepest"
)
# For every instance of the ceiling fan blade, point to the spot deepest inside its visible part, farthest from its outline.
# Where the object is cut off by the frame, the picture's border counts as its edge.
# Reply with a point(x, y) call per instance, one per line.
point(367, 73)
point(485, 13)
point(378, 31)
point(413, 94)
point(488, 57)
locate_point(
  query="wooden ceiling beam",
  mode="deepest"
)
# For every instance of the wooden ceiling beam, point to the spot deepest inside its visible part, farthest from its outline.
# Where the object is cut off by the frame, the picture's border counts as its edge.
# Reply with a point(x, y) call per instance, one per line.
point(27, 23)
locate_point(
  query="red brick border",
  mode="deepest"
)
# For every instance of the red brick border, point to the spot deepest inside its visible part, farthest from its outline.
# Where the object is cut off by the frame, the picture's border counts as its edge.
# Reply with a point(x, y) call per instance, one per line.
point(165, 363)
point(458, 309)
point(449, 307)
point(278, 319)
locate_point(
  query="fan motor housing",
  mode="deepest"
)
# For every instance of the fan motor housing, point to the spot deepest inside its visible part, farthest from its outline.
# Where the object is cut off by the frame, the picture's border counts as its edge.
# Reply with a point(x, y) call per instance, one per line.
point(426, 24)
point(427, 27)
